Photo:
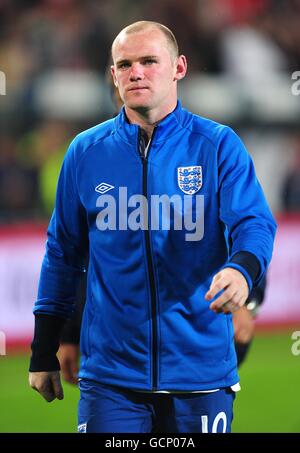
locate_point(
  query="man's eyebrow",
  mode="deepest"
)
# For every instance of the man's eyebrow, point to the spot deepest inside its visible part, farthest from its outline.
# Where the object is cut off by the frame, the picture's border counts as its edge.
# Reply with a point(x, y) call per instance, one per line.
point(149, 57)
point(144, 57)
point(119, 62)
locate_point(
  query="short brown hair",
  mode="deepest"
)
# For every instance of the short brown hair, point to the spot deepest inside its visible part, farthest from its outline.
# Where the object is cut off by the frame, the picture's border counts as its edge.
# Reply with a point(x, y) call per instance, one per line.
point(142, 24)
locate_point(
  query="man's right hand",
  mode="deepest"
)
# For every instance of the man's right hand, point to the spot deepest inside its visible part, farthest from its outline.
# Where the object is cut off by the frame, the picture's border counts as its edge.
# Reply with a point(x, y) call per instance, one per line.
point(47, 383)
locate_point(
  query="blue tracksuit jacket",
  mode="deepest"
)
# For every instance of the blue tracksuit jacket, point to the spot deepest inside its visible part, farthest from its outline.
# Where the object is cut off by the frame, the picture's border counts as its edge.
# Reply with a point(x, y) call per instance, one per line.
point(146, 323)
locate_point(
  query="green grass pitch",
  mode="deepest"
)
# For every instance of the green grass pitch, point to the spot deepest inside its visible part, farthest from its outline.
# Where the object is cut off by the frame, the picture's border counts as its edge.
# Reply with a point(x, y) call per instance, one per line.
point(269, 400)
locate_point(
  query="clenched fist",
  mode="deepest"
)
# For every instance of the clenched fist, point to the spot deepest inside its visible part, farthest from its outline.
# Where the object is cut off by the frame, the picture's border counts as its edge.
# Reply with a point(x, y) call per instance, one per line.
point(47, 383)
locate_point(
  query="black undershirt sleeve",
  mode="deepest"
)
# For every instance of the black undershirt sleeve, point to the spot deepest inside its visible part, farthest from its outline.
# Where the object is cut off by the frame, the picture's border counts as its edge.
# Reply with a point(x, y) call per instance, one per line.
point(45, 344)
point(249, 262)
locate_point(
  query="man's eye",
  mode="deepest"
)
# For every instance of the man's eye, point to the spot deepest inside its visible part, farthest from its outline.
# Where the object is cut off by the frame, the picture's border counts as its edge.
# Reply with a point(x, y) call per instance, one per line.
point(123, 65)
point(149, 61)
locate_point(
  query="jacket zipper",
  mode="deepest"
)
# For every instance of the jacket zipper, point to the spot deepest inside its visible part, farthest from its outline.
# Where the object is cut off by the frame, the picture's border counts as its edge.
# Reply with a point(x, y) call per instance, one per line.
point(150, 267)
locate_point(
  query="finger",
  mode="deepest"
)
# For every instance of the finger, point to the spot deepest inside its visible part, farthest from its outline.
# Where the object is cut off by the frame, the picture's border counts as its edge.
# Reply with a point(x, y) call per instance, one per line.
point(47, 392)
point(74, 376)
point(72, 380)
point(236, 334)
point(218, 284)
point(224, 301)
point(57, 387)
point(69, 378)
point(67, 372)
point(230, 306)
point(48, 396)
point(208, 295)
point(226, 308)
point(236, 303)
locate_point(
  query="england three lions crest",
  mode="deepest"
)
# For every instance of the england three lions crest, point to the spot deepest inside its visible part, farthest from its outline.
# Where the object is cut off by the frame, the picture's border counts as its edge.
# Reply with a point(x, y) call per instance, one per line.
point(189, 179)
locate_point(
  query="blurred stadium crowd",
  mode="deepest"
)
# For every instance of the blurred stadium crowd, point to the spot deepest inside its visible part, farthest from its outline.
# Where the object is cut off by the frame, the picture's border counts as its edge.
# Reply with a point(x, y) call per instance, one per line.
point(55, 53)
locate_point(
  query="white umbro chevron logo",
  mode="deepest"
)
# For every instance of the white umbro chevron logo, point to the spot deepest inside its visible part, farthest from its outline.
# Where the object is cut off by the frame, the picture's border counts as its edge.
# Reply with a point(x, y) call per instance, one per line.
point(82, 428)
point(103, 188)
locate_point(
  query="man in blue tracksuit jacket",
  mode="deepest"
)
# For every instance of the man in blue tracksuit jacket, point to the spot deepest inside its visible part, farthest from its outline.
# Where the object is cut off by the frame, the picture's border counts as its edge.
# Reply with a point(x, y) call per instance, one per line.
point(177, 229)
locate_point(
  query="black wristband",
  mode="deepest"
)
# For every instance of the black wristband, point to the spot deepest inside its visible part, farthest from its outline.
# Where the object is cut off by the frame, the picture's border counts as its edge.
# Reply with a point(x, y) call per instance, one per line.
point(45, 343)
point(249, 262)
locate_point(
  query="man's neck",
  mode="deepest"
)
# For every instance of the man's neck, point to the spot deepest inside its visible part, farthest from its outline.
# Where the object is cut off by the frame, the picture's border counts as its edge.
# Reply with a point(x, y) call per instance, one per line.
point(147, 120)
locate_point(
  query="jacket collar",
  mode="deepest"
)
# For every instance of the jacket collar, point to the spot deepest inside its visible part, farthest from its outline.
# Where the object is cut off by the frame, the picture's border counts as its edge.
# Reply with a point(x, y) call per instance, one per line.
point(164, 129)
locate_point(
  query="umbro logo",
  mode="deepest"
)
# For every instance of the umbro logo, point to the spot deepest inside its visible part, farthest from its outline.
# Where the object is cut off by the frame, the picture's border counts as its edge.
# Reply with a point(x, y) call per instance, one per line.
point(103, 188)
point(82, 428)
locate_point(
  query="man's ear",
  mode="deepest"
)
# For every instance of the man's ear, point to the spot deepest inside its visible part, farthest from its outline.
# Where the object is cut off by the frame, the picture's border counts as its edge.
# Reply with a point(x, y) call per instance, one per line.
point(181, 67)
point(112, 70)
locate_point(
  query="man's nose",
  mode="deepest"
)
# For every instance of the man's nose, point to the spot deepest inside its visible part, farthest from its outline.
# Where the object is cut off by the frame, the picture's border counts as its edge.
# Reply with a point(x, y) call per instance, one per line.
point(136, 72)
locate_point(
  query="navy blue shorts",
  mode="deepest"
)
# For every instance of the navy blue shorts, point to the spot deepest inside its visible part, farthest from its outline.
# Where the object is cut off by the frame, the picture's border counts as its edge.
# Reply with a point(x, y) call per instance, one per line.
point(108, 409)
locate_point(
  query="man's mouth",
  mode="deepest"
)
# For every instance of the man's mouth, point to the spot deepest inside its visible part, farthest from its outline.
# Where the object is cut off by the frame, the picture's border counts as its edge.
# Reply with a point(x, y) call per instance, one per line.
point(137, 88)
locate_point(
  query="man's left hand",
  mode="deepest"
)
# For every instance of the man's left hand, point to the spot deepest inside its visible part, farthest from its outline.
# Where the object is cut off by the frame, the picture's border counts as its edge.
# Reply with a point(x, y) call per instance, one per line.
point(68, 356)
point(243, 325)
point(235, 291)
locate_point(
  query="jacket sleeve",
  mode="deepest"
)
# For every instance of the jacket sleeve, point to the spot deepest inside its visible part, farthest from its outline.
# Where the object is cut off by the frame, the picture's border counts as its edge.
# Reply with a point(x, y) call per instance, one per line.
point(66, 245)
point(248, 221)
point(71, 329)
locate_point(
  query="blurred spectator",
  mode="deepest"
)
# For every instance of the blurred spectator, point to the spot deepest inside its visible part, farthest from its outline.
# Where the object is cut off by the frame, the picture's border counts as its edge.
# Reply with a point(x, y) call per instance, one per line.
point(242, 11)
point(250, 53)
point(42, 151)
point(283, 28)
point(198, 28)
point(18, 185)
point(50, 168)
point(68, 34)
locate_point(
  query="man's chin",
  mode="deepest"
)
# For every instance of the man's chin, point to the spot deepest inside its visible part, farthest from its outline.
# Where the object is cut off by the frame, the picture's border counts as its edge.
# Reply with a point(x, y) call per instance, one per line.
point(138, 106)
point(138, 100)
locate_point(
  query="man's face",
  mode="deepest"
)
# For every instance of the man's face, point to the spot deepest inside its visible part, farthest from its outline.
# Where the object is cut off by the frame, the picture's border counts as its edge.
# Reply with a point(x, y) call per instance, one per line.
point(144, 70)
